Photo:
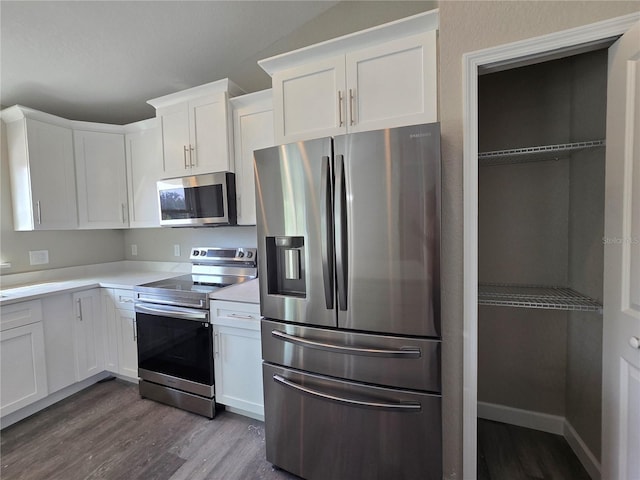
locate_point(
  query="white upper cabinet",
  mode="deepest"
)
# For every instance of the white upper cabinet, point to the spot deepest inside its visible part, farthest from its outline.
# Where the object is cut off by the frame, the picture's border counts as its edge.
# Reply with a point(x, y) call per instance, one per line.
point(143, 148)
point(43, 186)
point(101, 179)
point(382, 77)
point(252, 130)
point(197, 136)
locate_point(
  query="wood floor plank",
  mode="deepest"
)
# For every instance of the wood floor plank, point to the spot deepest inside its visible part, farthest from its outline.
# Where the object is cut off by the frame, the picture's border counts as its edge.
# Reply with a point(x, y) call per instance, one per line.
point(509, 452)
point(109, 432)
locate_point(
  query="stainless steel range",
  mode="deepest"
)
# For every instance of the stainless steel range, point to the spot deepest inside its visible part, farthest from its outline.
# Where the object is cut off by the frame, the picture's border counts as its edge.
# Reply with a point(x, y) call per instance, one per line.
point(174, 334)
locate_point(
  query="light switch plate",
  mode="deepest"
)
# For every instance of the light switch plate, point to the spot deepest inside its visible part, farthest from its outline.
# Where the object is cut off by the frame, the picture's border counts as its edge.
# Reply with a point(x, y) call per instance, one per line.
point(38, 257)
point(134, 249)
point(176, 250)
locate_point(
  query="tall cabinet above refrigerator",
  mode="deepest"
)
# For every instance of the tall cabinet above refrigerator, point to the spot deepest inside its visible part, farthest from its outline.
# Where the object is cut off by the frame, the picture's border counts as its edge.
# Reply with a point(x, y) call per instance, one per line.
point(349, 245)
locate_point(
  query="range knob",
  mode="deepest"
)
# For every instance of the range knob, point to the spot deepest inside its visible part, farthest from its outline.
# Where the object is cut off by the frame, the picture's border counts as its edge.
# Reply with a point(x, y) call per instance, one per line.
point(203, 253)
point(240, 254)
point(249, 254)
point(196, 253)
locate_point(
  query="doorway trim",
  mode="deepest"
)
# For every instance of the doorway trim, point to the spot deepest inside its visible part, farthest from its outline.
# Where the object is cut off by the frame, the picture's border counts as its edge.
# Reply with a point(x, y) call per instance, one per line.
point(532, 50)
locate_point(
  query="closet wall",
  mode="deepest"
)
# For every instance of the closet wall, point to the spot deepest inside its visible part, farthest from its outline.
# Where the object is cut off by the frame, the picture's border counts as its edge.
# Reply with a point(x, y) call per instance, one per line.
point(541, 223)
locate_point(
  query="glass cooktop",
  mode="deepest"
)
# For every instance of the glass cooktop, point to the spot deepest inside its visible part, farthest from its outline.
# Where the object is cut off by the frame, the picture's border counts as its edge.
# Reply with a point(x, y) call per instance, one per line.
point(194, 283)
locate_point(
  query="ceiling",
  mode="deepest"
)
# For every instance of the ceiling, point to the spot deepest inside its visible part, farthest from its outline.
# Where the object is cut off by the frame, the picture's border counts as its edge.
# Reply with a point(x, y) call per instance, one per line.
point(102, 60)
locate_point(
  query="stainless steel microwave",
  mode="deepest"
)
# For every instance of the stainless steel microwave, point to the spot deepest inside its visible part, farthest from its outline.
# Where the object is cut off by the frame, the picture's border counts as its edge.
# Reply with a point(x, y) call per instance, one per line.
point(198, 200)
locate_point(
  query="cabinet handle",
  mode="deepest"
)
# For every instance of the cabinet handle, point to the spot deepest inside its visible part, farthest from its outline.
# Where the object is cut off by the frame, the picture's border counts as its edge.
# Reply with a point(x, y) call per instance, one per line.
point(39, 212)
point(191, 149)
point(216, 347)
point(79, 309)
point(351, 97)
point(237, 315)
point(185, 157)
point(341, 122)
point(135, 332)
point(123, 212)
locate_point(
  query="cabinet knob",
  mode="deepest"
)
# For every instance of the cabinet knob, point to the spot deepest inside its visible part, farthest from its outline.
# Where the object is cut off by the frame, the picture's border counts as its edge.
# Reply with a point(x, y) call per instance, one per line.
point(634, 342)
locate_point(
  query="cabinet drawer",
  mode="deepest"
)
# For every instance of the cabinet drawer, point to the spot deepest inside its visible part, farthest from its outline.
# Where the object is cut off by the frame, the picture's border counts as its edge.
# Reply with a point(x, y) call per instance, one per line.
point(236, 314)
point(123, 299)
point(19, 314)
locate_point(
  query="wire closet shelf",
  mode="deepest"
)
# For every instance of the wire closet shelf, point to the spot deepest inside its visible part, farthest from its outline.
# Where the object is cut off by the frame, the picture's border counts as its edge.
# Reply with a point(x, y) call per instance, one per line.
point(536, 296)
point(539, 153)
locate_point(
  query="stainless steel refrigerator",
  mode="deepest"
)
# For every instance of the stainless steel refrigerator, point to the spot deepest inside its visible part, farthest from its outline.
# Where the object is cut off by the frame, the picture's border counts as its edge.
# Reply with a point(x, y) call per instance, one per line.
point(349, 257)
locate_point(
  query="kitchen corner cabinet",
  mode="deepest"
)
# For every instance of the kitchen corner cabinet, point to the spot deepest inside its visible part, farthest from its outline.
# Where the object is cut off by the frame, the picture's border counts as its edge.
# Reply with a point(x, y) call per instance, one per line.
point(88, 333)
point(252, 130)
point(238, 356)
point(101, 179)
point(380, 78)
point(143, 149)
point(22, 360)
point(42, 172)
point(197, 136)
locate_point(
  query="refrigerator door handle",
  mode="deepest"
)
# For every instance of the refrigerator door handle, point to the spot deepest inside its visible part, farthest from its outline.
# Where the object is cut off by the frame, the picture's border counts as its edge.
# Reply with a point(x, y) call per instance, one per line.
point(326, 225)
point(399, 407)
point(403, 352)
point(341, 233)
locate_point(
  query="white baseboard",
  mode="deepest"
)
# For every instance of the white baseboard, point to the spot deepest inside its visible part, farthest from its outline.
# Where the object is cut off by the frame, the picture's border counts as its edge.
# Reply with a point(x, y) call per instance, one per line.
point(544, 422)
point(522, 418)
point(586, 457)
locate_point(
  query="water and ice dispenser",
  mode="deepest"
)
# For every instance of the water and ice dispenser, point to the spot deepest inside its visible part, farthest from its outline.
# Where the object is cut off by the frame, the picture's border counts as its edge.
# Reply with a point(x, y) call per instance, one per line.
point(286, 266)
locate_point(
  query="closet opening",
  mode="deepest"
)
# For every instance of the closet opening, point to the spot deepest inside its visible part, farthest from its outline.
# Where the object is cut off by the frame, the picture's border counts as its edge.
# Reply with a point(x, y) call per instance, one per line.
point(541, 187)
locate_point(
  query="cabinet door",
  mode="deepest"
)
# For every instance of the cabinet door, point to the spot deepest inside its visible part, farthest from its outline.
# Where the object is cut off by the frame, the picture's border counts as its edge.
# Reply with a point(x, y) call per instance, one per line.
point(309, 101)
point(22, 366)
point(53, 184)
point(175, 140)
point(392, 84)
point(209, 141)
point(88, 334)
point(144, 169)
point(253, 129)
point(101, 179)
point(127, 343)
point(238, 356)
point(110, 330)
point(58, 321)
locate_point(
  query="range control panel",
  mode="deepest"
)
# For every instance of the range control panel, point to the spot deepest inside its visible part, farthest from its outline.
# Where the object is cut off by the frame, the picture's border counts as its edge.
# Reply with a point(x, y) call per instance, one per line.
point(213, 254)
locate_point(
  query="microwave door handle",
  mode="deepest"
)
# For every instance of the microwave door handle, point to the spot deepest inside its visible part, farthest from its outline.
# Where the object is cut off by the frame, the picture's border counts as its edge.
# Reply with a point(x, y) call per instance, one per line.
point(326, 225)
point(341, 232)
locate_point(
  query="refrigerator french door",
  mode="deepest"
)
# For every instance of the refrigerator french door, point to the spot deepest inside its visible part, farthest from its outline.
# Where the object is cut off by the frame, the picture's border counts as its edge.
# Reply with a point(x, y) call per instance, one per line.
point(349, 242)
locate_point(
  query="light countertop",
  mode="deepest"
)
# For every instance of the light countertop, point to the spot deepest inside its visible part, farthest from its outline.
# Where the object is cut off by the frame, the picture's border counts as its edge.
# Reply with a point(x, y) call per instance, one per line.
point(246, 292)
point(125, 276)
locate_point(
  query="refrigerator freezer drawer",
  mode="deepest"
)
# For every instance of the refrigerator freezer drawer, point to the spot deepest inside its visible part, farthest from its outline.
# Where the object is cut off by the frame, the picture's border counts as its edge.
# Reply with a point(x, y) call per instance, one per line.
point(321, 428)
point(379, 359)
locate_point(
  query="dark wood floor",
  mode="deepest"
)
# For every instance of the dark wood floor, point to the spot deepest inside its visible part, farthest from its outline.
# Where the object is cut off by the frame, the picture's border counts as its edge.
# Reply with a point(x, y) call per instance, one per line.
point(109, 432)
point(507, 452)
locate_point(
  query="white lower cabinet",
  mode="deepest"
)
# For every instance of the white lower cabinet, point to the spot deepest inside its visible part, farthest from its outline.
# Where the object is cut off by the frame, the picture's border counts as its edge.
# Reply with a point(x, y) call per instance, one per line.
point(60, 341)
point(88, 333)
point(22, 356)
point(238, 357)
point(121, 338)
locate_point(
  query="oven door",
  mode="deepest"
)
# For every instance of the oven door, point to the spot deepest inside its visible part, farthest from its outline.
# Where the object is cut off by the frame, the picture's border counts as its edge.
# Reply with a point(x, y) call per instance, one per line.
point(175, 347)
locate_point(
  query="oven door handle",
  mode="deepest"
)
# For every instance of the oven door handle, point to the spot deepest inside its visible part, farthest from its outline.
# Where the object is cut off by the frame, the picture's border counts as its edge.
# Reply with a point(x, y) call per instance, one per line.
point(200, 304)
point(174, 313)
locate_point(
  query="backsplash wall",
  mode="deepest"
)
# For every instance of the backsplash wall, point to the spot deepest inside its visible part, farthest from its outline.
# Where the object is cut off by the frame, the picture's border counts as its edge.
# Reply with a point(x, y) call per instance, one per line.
point(157, 244)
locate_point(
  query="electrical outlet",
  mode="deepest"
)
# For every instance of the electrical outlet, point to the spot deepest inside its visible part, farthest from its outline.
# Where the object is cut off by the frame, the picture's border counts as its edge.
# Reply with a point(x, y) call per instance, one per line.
point(134, 249)
point(176, 250)
point(38, 257)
